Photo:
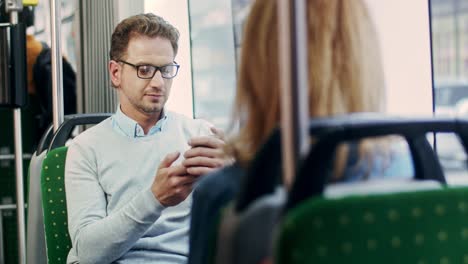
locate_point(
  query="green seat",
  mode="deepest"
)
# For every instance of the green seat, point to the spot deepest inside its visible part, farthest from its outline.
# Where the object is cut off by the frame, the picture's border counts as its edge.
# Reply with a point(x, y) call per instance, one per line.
point(58, 241)
point(413, 227)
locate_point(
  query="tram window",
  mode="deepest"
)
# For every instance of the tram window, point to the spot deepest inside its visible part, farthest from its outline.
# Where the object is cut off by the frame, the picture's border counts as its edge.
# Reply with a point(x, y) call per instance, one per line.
point(403, 28)
point(215, 39)
point(450, 56)
point(452, 157)
point(449, 21)
point(213, 59)
point(176, 13)
point(206, 83)
point(42, 31)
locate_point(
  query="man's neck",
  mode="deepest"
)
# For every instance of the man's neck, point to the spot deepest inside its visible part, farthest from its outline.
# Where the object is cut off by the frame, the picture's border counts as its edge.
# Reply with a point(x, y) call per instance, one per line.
point(145, 120)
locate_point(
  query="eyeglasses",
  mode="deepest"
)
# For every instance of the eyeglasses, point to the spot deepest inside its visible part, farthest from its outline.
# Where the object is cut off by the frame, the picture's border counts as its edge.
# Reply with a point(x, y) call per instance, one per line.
point(148, 71)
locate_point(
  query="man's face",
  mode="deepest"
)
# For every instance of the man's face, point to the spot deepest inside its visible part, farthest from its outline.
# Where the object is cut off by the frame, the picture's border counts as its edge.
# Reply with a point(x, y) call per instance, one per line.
point(143, 96)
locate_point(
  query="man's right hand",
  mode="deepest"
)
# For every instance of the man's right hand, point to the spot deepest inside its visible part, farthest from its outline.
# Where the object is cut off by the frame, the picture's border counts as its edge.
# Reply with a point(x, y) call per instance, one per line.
point(173, 184)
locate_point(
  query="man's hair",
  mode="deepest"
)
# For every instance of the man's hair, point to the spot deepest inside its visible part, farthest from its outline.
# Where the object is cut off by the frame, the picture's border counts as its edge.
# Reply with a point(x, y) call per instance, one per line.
point(149, 25)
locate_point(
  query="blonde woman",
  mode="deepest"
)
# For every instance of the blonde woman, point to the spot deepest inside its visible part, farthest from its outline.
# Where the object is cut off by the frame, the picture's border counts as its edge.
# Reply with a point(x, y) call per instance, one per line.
point(345, 76)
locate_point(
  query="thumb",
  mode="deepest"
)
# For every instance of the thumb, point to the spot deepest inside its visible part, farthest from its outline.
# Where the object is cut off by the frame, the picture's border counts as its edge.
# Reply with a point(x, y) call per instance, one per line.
point(169, 159)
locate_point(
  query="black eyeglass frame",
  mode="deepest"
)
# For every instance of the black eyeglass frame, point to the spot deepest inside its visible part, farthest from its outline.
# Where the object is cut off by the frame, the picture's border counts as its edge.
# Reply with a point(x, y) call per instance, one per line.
point(157, 68)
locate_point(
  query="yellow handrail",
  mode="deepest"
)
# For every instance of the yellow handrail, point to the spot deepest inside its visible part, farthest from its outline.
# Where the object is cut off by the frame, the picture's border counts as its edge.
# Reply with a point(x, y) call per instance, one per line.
point(30, 2)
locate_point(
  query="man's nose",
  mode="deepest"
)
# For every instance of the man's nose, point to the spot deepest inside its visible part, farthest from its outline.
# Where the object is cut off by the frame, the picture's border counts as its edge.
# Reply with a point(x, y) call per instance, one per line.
point(157, 80)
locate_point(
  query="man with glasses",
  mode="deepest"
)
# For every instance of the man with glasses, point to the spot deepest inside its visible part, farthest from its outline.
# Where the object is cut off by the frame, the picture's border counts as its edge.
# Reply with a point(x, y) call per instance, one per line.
point(128, 179)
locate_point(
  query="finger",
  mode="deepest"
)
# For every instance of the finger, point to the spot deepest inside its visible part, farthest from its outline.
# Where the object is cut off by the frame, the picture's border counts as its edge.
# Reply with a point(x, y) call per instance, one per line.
point(206, 141)
point(169, 159)
point(179, 170)
point(178, 182)
point(203, 152)
point(184, 180)
point(203, 162)
point(219, 133)
point(198, 171)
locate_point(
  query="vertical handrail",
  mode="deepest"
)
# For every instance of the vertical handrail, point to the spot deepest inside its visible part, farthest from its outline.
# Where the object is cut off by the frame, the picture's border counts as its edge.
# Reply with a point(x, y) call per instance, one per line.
point(13, 7)
point(57, 73)
point(301, 69)
point(292, 32)
point(19, 187)
point(285, 64)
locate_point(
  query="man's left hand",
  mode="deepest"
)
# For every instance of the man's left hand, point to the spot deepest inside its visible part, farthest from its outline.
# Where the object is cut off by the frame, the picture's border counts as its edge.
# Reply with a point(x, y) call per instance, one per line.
point(206, 153)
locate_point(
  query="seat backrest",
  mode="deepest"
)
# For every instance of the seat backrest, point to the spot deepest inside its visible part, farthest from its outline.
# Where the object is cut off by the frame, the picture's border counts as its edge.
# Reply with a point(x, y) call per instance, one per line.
point(55, 207)
point(328, 133)
point(410, 227)
point(58, 242)
point(35, 242)
point(236, 242)
point(35, 236)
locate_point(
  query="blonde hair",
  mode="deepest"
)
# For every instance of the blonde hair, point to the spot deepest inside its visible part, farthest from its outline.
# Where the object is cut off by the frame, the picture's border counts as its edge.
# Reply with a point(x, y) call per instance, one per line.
point(345, 73)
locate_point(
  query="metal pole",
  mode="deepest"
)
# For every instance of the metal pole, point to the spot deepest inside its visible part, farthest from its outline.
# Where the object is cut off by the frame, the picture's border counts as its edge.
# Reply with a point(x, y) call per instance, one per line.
point(294, 84)
point(12, 157)
point(7, 207)
point(57, 75)
point(287, 141)
point(301, 69)
point(19, 187)
point(13, 7)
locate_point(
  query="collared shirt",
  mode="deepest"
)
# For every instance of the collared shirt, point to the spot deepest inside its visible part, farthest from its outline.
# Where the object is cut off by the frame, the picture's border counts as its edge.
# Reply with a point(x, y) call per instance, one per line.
point(129, 127)
point(113, 216)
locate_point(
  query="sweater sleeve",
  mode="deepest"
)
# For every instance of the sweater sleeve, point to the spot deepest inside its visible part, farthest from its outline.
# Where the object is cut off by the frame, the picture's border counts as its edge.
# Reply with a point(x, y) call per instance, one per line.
point(96, 236)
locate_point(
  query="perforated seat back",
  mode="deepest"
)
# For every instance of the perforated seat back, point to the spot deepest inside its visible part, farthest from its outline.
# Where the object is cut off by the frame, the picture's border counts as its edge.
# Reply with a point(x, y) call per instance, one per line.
point(414, 227)
point(55, 207)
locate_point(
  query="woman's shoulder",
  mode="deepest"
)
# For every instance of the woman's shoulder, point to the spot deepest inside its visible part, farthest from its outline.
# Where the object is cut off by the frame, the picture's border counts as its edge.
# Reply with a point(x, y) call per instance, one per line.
point(394, 162)
point(399, 165)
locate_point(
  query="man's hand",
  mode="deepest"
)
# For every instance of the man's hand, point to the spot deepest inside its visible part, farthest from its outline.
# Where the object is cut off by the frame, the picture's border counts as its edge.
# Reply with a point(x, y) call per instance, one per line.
point(172, 184)
point(206, 153)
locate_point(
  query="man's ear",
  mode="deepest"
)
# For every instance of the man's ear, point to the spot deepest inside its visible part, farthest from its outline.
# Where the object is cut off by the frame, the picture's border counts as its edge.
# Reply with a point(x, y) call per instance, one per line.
point(115, 73)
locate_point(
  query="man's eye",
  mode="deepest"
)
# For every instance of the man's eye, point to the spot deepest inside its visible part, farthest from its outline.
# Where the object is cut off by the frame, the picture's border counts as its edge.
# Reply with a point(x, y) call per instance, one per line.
point(166, 70)
point(145, 70)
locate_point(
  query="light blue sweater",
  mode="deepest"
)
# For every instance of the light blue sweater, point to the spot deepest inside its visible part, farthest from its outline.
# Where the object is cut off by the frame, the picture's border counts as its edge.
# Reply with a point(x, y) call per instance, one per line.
point(112, 214)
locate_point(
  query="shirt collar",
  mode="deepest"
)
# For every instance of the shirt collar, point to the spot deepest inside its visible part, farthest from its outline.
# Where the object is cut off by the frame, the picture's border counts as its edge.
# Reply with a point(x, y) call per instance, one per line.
point(131, 128)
